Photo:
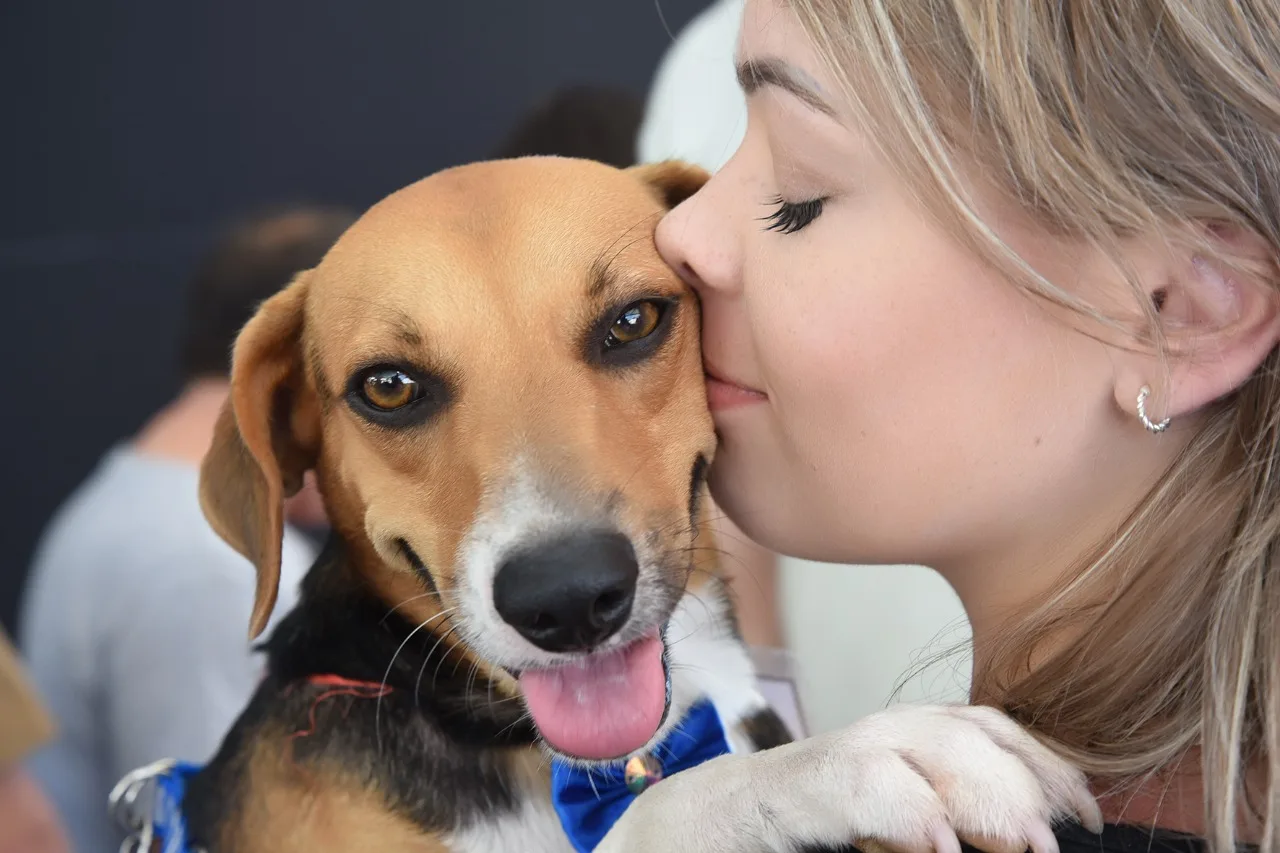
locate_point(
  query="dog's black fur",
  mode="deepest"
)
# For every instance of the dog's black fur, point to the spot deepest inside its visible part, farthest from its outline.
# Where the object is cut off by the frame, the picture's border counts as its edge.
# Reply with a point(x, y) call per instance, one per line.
point(439, 721)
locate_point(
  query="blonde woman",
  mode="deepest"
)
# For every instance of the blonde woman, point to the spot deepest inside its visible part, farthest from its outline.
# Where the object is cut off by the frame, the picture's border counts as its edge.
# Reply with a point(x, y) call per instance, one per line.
point(992, 286)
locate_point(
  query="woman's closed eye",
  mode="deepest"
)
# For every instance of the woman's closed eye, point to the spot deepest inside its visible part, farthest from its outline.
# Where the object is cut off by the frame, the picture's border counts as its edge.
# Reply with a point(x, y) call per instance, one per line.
point(789, 217)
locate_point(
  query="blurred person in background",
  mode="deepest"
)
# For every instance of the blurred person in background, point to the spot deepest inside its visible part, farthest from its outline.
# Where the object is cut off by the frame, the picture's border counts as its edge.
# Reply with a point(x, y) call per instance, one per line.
point(587, 122)
point(134, 614)
point(28, 823)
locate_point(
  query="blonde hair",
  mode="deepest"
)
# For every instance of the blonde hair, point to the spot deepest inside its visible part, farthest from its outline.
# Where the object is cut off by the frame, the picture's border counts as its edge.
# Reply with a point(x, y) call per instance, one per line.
point(1106, 118)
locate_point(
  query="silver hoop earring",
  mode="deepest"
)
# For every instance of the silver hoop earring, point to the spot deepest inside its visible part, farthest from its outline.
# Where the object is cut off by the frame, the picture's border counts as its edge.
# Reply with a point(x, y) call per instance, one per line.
point(1142, 412)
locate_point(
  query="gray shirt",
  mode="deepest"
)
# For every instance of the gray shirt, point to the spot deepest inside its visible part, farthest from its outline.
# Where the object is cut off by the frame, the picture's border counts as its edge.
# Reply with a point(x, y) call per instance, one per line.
point(135, 630)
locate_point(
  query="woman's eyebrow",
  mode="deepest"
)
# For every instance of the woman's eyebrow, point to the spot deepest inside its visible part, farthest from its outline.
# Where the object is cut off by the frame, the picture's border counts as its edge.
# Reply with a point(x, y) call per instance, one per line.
point(771, 71)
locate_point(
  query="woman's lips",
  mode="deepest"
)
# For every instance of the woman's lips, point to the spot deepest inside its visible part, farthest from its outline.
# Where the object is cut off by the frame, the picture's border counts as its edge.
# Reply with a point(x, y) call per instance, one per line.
point(725, 394)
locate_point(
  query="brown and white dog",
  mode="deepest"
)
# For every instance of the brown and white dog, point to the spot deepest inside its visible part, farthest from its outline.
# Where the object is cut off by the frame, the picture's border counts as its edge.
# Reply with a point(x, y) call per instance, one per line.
point(498, 384)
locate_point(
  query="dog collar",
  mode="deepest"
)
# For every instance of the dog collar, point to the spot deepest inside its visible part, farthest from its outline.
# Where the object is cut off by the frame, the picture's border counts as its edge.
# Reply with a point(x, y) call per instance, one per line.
point(589, 800)
point(154, 824)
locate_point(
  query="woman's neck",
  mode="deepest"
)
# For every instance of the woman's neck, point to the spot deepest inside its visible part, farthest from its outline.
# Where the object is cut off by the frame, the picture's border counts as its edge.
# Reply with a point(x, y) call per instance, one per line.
point(1173, 800)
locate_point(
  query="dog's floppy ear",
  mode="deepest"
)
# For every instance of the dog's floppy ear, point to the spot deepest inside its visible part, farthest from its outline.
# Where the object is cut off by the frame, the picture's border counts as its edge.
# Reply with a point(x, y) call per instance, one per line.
point(673, 180)
point(264, 442)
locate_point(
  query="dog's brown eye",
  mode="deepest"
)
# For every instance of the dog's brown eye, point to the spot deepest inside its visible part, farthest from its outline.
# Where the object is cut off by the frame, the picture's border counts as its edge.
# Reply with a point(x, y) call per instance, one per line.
point(635, 322)
point(397, 397)
point(390, 389)
point(629, 333)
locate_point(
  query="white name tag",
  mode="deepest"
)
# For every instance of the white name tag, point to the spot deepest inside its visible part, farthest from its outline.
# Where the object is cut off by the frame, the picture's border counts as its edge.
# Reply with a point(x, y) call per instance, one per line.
point(776, 679)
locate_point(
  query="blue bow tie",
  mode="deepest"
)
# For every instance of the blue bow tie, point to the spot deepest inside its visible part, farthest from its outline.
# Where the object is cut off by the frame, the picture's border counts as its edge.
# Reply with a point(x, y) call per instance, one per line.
point(590, 800)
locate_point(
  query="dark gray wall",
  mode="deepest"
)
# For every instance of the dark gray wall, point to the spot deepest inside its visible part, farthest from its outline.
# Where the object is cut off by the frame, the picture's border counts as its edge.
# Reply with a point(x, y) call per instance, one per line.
point(133, 127)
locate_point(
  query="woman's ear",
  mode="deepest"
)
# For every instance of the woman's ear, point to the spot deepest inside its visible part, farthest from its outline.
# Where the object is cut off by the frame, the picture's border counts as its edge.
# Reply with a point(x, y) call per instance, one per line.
point(264, 442)
point(1219, 312)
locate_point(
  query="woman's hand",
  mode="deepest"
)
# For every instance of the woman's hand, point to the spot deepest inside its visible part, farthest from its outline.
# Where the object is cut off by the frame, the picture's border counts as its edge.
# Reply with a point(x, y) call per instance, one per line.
point(911, 778)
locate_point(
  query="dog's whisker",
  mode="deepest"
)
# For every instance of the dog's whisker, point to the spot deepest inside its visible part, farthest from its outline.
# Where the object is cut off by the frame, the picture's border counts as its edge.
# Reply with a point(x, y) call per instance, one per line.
point(417, 684)
point(377, 712)
point(746, 569)
point(525, 717)
point(693, 567)
point(627, 482)
point(681, 589)
point(456, 664)
point(436, 675)
point(706, 606)
point(676, 641)
point(622, 236)
point(638, 239)
point(471, 680)
point(412, 598)
point(591, 777)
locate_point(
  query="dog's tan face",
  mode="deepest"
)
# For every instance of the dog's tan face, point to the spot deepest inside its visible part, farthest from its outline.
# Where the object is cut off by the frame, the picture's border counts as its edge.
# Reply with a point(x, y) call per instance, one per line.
point(499, 385)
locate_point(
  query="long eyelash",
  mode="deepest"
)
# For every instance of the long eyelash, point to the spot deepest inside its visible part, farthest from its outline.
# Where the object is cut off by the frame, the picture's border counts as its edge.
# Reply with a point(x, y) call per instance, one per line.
point(792, 216)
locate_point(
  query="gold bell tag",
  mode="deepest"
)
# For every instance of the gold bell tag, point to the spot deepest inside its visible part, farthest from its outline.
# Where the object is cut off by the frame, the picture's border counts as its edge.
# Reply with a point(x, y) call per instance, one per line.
point(641, 773)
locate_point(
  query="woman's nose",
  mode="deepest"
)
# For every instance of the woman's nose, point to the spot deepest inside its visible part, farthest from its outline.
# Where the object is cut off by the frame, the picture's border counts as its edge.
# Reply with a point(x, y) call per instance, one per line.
point(696, 240)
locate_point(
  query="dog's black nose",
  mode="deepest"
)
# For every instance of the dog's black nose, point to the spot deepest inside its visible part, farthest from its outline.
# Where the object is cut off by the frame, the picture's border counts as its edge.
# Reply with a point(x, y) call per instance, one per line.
point(569, 593)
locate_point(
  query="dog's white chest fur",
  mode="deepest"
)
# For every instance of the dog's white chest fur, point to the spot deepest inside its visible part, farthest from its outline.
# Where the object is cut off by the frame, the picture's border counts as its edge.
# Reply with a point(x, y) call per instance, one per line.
point(534, 828)
point(708, 661)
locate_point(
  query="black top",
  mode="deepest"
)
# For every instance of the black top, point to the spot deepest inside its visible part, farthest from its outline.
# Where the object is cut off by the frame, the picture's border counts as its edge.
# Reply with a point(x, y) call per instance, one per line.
point(1126, 838)
point(1115, 838)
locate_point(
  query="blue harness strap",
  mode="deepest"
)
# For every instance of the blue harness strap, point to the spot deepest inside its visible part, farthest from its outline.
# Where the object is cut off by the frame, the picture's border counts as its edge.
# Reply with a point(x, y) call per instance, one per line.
point(159, 820)
point(589, 800)
point(170, 825)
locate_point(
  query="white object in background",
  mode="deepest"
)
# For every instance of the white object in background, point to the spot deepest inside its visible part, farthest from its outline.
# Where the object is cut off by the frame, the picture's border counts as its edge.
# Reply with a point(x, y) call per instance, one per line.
point(776, 678)
point(854, 632)
point(696, 111)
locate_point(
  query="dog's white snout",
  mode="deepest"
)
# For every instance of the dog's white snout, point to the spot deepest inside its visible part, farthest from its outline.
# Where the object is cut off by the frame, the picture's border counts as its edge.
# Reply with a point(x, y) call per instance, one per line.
point(545, 571)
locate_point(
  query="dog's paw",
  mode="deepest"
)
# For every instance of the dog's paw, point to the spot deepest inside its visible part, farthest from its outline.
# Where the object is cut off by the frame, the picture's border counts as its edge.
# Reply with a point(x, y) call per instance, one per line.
point(913, 779)
point(969, 772)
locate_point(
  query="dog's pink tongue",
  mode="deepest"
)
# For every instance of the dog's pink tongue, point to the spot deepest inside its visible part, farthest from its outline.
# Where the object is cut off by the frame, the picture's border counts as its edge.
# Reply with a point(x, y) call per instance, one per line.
point(605, 706)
